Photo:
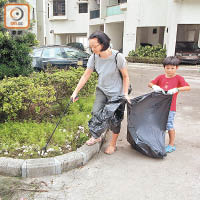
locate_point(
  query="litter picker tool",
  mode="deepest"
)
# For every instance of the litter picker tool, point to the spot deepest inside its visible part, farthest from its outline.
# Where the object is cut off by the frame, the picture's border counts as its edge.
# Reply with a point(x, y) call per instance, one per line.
point(44, 149)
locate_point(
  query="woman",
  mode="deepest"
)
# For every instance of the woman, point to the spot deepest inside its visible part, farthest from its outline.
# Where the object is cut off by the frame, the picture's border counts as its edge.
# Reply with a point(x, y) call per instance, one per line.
point(113, 79)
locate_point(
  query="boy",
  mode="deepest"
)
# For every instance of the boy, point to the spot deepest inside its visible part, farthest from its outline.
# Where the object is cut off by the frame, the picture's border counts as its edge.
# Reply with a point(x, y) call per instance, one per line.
point(173, 84)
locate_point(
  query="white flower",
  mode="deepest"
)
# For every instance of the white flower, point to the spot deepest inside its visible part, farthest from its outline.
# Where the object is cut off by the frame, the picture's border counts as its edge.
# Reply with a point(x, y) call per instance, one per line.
point(50, 149)
point(6, 153)
point(81, 128)
point(19, 154)
point(68, 147)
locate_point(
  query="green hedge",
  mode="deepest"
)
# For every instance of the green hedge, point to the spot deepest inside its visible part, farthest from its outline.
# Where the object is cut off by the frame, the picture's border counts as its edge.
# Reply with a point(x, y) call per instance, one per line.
point(136, 59)
point(26, 139)
point(41, 94)
point(147, 54)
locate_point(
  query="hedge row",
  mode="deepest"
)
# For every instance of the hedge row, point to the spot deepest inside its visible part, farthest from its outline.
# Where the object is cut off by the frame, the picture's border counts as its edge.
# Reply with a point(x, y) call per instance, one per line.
point(148, 54)
point(136, 59)
point(40, 94)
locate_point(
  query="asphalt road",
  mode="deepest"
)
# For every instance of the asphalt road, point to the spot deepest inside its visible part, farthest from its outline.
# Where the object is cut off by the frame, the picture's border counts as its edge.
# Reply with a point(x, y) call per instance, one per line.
point(129, 175)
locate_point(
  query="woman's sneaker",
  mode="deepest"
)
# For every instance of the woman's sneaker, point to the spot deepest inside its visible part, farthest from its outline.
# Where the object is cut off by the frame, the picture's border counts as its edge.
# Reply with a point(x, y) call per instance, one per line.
point(170, 148)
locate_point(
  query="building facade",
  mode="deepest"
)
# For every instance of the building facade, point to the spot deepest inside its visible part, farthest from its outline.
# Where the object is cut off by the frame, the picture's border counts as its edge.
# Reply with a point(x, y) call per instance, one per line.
point(62, 21)
point(130, 23)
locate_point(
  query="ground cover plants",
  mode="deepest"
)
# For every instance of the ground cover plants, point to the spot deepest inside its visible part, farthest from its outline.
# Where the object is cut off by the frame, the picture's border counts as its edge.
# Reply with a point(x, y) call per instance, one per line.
point(31, 106)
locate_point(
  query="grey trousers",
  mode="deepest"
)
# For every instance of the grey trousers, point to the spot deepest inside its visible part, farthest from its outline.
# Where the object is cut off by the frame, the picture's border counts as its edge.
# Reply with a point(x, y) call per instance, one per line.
point(100, 101)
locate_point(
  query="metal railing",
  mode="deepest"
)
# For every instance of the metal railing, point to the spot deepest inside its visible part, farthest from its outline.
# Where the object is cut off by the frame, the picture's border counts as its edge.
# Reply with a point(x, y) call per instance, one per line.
point(123, 1)
point(116, 2)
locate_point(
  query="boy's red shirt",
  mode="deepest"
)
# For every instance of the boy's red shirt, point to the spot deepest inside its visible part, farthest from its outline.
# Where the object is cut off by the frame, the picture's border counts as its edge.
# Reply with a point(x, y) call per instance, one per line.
point(170, 83)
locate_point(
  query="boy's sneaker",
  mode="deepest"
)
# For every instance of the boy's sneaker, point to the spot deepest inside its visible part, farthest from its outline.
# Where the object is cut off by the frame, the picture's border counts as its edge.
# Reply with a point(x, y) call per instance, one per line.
point(170, 149)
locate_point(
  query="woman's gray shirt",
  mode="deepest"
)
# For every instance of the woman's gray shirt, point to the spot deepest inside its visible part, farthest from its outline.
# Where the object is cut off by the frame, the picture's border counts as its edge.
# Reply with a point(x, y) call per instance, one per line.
point(109, 80)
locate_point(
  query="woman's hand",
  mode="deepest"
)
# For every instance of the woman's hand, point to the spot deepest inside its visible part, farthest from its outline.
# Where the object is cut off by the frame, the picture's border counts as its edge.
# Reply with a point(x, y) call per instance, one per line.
point(74, 97)
point(127, 98)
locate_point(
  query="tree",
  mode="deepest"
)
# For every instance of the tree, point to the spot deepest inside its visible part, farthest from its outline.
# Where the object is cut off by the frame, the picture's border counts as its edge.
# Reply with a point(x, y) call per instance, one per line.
point(2, 3)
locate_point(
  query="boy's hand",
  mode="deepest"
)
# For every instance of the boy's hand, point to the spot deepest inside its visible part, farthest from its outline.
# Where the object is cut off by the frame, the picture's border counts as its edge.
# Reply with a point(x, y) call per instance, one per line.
point(156, 88)
point(172, 91)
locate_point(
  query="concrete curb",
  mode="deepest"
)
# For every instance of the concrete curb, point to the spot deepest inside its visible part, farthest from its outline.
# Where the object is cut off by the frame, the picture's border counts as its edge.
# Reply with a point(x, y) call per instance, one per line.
point(32, 168)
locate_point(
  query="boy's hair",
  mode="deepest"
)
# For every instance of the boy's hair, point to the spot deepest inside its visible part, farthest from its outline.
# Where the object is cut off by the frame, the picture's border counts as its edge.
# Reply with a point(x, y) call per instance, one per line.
point(102, 39)
point(171, 60)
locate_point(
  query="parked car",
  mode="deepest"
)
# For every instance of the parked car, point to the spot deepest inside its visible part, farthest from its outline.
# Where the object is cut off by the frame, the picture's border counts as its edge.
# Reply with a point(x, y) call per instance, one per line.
point(59, 56)
point(188, 52)
point(77, 45)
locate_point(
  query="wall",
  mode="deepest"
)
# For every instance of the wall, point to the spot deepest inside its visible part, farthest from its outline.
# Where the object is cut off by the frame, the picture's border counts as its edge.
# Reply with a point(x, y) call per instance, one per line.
point(115, 32)
point(40, 22)
point(72, 23)
point(151, 12)
point(189, 12)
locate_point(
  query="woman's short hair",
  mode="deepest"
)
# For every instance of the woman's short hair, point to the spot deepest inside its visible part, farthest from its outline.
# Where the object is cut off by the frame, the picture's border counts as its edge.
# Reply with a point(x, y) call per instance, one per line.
point(171, 60)
point(102, 38)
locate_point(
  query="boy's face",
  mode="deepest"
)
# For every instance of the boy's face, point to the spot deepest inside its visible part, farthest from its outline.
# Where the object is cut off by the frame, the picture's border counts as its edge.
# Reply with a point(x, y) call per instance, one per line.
point(170, 70)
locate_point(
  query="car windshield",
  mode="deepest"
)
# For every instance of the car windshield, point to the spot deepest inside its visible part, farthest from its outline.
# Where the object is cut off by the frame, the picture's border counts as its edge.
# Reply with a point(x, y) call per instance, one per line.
point(36, 52)
point(75, 53)
point(52, 53)
point(186, 46)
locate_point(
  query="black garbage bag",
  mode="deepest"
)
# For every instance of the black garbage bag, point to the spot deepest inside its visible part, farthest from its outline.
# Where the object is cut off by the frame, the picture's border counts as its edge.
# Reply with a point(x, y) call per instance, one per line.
point(112, 113)
point(147, 118)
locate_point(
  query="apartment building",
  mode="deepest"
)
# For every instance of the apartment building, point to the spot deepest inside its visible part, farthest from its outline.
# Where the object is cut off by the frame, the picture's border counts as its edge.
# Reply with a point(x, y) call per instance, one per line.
point(61, 21)
point(131, 23)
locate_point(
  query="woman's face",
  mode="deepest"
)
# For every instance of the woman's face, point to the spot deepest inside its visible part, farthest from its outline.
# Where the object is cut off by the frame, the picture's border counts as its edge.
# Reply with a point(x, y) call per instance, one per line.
point(95, 46)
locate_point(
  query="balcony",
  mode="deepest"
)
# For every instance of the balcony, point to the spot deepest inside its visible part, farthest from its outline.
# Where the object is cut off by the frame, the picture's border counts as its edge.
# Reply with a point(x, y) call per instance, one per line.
point(94, 14)
point(114, 10)
point(116, 2)
point(123, 1)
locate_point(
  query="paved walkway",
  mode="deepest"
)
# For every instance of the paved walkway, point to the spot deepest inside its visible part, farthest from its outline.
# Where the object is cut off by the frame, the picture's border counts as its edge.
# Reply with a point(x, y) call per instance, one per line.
point(127, 174)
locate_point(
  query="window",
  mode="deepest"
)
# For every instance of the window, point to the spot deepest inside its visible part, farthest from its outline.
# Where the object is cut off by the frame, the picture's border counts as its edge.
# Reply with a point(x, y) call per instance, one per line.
point(52, 53)
point(154, 30)
point(74, 53)
point(83, 8)
point(58, 7)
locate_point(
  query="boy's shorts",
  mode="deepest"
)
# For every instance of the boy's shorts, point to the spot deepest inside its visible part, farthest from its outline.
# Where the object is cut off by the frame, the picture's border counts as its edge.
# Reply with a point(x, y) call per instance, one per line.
point(170, 122)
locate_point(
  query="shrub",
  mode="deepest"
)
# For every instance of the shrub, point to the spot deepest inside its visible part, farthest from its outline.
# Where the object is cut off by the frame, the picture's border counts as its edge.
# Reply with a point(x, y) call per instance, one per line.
point(41, 94)
point(15, 57)
point(42, 97)
point(148, 52)
point(26, 139)
point(136, 59)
